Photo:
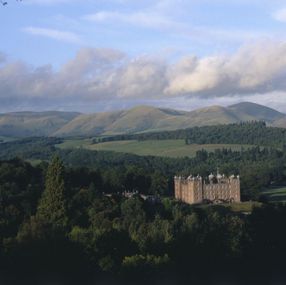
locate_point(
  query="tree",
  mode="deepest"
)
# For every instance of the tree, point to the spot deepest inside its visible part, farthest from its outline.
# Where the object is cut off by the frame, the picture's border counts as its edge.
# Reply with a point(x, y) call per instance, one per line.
point(133, 213)
point(52, 206)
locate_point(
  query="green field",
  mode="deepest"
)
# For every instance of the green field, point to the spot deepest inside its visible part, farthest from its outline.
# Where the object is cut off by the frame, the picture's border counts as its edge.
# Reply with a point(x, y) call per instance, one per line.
point(275, 194)
point(244, 207)
point(167, 148)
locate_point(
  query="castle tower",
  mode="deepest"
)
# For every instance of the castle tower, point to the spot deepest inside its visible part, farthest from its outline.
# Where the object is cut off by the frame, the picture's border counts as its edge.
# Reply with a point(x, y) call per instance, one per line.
point(216, 189)
point(235, 188)
point(189, 190)
point(178, 188)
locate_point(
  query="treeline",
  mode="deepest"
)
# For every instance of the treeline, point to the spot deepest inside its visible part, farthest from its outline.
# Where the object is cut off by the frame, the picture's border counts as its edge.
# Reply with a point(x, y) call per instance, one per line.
point(57, 229)
point(258, 167)
point(29, 148)
point(252, 133)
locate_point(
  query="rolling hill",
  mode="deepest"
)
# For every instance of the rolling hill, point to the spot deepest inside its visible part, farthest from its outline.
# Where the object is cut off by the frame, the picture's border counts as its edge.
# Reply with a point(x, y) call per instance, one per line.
point(135, 120)
point(25, 124)
point(250, 111)
point(146, 118)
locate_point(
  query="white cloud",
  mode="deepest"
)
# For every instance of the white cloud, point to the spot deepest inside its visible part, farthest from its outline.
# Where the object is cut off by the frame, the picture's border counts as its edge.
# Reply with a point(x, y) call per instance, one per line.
point(170, 16)
point(64, 36)
point(145, 19)
point(143, 77)
point(280, 15)
point(106, 74)
point(258, 68)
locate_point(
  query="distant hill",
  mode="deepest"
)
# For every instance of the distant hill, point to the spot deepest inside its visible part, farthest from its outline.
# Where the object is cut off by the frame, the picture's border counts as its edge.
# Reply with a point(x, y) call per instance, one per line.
point(135, 120)
point(89, 125)
point(251, 111)
point(25, 124)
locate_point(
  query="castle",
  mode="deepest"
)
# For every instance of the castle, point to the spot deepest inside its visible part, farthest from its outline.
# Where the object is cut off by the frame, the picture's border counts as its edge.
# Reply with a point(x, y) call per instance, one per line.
point(214, 189)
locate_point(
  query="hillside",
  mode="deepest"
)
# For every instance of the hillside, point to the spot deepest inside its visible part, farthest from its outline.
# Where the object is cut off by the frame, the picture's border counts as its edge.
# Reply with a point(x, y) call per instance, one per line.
point(24, 124)
point(146, 119)
point(136, 120)
point(248, 111)
point(213, 115)
point(88, 125)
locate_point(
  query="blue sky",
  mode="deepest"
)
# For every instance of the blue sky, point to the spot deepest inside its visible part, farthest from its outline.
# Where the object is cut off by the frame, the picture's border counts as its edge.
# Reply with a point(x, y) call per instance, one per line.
point(97, 55)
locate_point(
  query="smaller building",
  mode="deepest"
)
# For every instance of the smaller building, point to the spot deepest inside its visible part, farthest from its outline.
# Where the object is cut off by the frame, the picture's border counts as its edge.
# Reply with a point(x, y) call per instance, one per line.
point(214, 189)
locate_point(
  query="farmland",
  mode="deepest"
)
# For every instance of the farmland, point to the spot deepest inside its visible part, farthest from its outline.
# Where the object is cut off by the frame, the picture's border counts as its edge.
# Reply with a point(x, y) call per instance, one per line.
point(165, 148)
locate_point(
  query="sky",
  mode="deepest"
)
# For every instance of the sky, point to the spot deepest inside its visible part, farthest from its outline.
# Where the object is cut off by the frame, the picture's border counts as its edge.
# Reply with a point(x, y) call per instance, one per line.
point(101, 55)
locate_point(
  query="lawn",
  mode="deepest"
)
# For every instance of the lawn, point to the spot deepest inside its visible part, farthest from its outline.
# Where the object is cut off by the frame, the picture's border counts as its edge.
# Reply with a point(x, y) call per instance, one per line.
point(244, 207)
point(275, 194)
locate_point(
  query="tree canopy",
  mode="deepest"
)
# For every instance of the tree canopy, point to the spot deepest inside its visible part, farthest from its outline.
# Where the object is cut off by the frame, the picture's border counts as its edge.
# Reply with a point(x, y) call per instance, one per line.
point(52, 206)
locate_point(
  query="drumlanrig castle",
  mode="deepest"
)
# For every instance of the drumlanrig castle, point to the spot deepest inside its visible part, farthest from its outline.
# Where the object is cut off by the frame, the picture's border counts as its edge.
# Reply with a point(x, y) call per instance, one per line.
point(214, 189)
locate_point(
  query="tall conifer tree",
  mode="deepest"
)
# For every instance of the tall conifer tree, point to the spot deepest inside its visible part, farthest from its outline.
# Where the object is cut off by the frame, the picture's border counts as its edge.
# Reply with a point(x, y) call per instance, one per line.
point(52, 206)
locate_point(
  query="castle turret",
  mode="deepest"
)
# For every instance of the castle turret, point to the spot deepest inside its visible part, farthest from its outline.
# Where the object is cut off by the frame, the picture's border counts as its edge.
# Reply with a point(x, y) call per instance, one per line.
point(189, 190)
point(193, 190)
point(211, 178)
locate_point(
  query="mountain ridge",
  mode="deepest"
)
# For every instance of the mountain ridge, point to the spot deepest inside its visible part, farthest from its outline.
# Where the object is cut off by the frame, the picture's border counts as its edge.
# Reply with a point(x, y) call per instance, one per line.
point(135, 120)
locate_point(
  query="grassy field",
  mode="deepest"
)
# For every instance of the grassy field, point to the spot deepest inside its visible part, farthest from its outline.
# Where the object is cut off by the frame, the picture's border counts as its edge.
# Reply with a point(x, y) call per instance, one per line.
point(244, 207)
point(275, 194)
point(167, 148)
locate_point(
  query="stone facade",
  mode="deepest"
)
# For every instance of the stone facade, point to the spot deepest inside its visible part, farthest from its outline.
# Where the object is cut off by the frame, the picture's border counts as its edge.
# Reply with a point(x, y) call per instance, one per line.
point(214, 189)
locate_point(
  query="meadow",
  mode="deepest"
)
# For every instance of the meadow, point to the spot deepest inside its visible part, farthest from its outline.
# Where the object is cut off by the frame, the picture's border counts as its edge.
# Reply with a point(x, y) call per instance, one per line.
point(275, 194)
point(243, 207)
point(165, 148)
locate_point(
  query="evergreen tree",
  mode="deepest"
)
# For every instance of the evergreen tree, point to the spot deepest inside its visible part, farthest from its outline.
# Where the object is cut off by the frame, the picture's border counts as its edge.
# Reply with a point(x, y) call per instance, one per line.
point(52, 206)
point(93, 191)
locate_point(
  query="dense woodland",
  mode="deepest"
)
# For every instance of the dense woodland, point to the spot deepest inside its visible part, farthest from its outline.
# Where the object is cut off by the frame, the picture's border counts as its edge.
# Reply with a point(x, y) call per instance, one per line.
point(65, 220)
point(57, 224)
point(259, 167)
point(253, 133)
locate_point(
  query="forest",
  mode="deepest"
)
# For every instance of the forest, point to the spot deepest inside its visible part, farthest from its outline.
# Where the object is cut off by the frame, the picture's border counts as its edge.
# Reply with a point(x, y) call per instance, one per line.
point(154, 175)
point(64, 218)
point(58, 224)
point(252, 133)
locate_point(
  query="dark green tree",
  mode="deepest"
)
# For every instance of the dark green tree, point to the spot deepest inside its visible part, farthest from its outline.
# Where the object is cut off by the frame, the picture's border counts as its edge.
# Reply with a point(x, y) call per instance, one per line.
point(52, 206)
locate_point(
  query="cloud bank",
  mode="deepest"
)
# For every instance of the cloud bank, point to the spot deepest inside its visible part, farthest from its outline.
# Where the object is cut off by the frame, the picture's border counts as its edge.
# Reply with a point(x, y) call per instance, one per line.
point(107, 74)
point(258, 68)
